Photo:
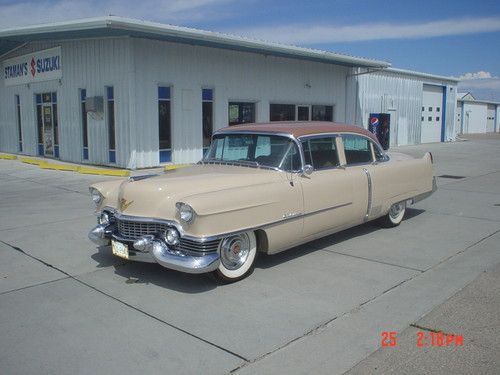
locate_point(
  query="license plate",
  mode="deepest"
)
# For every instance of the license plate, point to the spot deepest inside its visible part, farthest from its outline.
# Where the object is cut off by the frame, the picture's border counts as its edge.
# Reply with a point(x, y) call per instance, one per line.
point(119, 249)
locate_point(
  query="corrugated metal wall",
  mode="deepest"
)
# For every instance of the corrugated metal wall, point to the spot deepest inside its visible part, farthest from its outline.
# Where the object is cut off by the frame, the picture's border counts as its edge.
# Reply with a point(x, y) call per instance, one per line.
point(397, 94)
point(234, 76)
point(136, 67)
point(87, 64)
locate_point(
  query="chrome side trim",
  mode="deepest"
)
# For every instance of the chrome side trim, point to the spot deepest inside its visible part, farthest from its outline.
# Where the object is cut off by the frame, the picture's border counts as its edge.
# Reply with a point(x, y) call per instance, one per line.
point(369, 205)
point(225, 234)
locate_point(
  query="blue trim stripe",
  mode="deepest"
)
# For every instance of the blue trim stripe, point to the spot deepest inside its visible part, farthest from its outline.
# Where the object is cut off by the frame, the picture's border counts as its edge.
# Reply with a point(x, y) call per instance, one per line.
point(443, 114)
point(165, 156)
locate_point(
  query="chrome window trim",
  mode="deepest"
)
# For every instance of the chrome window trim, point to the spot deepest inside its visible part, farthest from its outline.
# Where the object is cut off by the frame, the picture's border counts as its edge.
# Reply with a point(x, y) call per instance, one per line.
point(322, 135)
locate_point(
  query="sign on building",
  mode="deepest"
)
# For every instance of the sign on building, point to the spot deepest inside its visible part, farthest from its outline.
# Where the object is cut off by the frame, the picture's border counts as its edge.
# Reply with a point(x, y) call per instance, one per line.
point(38, 66)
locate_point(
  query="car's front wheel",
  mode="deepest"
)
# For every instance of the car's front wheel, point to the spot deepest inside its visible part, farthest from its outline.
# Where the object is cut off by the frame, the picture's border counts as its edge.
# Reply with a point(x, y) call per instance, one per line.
point(237, 257)
point(395, 215)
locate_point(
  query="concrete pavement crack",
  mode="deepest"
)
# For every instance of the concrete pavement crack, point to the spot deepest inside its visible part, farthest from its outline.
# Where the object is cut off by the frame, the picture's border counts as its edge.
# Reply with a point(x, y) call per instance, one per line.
point(325, 324)
point(127, 304)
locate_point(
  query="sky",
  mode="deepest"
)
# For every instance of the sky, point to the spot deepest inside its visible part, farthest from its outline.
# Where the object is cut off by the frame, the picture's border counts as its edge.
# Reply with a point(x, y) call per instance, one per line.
point(454, 38)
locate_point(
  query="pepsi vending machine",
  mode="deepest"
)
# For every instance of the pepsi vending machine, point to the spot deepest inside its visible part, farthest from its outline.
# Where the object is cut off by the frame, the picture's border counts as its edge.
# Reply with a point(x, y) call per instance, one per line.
point(380, 125)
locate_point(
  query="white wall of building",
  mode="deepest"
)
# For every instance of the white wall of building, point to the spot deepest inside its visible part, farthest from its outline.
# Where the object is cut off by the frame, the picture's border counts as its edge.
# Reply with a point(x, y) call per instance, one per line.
point(234, 76)
point(474, 117)
point(87, 64)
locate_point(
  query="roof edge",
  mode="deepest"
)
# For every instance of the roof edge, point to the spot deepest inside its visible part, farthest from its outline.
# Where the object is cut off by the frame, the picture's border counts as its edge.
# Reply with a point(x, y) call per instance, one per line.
point(216, 38)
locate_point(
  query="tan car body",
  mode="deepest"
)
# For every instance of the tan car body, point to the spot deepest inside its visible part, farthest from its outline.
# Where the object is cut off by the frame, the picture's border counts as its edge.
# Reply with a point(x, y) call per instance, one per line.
point(284, 209)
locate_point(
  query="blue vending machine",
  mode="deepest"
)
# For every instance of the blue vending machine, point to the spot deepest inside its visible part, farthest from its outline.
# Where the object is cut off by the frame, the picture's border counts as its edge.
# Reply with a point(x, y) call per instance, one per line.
point(380, 125)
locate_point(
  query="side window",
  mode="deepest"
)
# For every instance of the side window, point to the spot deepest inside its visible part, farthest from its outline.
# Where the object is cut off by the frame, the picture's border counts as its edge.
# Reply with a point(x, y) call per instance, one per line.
point(357, 149)
point(321, 153)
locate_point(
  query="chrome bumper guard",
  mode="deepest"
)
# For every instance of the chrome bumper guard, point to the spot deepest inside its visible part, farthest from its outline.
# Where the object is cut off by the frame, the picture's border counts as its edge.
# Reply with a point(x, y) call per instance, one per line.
point(160, 252)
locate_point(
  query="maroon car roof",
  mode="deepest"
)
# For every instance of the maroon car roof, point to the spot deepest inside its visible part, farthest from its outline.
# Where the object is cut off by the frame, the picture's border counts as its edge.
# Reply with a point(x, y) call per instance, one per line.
point(299, 129)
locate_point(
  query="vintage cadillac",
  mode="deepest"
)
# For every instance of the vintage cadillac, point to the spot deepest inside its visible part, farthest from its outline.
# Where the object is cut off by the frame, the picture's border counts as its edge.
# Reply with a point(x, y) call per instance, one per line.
point(259, 188)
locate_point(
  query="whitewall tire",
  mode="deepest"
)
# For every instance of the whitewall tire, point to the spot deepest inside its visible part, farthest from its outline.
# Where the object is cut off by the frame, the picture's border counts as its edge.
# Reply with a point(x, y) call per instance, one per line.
point(237, 257)
point(395, 215)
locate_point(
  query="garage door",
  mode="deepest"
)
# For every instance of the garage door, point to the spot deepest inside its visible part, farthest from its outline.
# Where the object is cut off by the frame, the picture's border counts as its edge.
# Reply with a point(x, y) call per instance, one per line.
point(432, 111)
point(490, 121)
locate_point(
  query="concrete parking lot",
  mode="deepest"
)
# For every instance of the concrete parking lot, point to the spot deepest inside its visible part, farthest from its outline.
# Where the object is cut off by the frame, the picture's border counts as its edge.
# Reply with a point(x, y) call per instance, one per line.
point(69, 307)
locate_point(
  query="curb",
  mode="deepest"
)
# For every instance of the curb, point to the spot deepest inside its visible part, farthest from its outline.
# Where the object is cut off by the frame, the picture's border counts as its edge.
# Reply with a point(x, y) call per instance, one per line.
point(44, 164)
point(172, 167)
point(8, 157)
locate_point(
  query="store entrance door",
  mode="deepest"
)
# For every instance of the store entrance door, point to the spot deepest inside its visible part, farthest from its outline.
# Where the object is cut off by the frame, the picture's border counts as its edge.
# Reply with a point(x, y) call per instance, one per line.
point(48, 130)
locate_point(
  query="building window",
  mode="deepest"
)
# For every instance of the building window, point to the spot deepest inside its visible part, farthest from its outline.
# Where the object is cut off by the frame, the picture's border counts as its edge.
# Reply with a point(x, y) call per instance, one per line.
point(241, 112)
point(85, 135)
point(303, 113)
point(110, 101)
point(423, 109)
point(438, 109)
point(437, 118)
point(18, 121)
point(164, 124)
point(282, 112)
point(322, 113)
point(207, 98)
point(357, 149)
point(430, 109)
point(429, 118)
point(422, 118)
point(47, 124)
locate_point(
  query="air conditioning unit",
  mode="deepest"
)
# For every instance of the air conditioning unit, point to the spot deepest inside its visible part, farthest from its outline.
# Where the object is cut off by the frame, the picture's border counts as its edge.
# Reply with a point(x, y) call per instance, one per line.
point(94, 104)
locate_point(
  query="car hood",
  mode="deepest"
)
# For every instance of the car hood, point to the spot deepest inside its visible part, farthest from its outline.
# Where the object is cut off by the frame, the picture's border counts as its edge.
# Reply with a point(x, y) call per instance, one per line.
point(156, 196)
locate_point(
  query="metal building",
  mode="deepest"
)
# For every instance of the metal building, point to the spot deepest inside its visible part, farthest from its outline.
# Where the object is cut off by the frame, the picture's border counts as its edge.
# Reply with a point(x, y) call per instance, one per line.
point(134, 94)
point(421, 106)
point(476, 116)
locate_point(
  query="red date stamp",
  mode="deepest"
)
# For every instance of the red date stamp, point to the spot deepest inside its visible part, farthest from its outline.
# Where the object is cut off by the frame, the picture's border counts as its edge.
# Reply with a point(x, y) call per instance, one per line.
point(424, 338)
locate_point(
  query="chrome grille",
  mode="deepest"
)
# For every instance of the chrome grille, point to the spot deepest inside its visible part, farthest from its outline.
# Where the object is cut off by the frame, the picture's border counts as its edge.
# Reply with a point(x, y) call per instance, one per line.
point(132, 230)
point(135, 229)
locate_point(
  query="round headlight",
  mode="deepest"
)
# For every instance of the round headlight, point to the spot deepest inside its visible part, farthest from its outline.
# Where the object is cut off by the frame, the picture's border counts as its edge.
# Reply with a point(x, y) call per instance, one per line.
point(104, 218)
point(186, 212)
point(172, 237)
point(96, 195)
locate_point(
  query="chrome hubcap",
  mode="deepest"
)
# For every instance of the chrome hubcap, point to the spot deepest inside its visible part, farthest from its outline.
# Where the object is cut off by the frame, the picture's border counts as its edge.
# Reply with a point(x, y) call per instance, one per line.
point(396, 210)
point(234, 251)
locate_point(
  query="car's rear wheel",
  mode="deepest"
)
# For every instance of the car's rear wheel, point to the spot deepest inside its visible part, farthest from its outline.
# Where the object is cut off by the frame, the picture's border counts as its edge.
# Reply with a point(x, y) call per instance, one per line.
point(395, 215)
point(237, 257)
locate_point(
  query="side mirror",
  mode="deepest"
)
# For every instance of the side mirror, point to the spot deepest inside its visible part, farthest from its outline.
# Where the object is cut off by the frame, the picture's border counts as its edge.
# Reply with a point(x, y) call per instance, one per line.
point(307, 170)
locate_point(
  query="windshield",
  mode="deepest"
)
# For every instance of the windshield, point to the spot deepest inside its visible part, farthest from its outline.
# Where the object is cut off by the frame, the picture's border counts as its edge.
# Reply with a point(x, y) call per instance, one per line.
point(255, 149)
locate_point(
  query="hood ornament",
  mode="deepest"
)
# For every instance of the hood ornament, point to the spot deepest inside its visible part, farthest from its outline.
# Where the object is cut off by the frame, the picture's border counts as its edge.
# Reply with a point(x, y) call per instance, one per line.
point(124, 204)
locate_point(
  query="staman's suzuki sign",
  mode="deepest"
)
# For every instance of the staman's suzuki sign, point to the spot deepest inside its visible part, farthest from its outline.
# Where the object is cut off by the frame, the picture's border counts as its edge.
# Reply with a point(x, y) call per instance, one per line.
point(37, 66)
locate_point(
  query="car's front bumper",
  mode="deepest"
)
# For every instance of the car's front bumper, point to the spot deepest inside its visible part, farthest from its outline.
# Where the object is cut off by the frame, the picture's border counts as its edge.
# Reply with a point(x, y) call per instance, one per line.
point(150, 249)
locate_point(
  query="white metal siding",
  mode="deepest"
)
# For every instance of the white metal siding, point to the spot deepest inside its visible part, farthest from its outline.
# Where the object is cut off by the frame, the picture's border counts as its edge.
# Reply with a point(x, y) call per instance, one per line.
point(474, 117)
point(88, 64)
point(490, 120)
point(234, 76)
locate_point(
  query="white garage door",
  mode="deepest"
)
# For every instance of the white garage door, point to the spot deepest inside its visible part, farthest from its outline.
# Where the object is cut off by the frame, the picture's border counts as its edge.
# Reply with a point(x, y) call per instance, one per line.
point(432, 111)
point(490, 122)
